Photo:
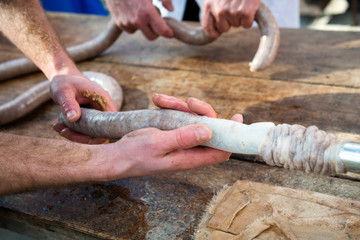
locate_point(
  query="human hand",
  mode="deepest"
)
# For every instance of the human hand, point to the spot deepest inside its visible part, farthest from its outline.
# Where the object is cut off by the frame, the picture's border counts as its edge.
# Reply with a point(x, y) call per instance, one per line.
point(68, 92)
point(219, 15)
point(152, 151)
point(131, 15)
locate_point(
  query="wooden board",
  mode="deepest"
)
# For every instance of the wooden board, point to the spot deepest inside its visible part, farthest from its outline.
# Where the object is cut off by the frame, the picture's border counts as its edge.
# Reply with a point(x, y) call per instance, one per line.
point(313, 81)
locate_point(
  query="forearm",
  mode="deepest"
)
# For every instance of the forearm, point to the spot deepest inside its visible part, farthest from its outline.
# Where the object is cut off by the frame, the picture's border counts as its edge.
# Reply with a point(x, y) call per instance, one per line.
point(29, 163)
point(25, 23)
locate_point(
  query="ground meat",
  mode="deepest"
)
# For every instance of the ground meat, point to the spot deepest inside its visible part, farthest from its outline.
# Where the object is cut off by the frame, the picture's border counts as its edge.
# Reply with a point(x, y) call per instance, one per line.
point(97, 98)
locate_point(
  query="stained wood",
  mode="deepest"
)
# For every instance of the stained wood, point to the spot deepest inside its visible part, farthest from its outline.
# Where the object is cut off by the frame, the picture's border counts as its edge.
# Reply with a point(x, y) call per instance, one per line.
point(312, 82)
point(304, 56)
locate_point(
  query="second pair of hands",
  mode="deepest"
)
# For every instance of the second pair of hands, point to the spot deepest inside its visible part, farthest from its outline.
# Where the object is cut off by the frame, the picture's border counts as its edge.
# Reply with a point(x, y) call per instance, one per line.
point(218, 16)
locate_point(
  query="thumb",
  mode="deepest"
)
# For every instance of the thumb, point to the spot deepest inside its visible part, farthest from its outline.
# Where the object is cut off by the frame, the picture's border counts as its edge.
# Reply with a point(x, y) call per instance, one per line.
point(168, 5)
point(69, 106)
point(186, 137)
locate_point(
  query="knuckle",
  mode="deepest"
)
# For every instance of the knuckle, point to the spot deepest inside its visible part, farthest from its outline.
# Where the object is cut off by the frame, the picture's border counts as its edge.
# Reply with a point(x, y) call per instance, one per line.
point(207, 6)
point(226, 28)
point(246, 25)
point(220, 13)
point(145, 14)
point(151, 37)
point(154, 141)
point(245, 13)
point(135, 22)
point(234, 13)
point(206, 28)
point(118, 22)
point(180, 140)
point(163, 31)
point(122, 23)
point(153, 134)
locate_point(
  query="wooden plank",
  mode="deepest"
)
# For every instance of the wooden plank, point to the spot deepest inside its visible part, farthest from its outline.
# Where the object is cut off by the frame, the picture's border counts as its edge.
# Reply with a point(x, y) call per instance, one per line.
point(304, 56)
point(166, 206)
point(38, 228)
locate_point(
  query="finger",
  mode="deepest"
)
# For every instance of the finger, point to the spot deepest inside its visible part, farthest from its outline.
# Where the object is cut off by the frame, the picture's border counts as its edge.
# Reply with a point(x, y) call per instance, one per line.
point(168, 5)
point(103, 103)
point(110, 106)
point(234, 19)
point(238, 118)
point(247, 14)
point(200, 107)
point(158, 25)
point(234, 16)
point(198, 157)
point(148, 32)
point(222, 25)
point(220, 14)
point(208, 24)
point(76, 137)
point(58, 127)
point(69, 106)
point(246, 21)
point(169, 102)
point(102, 100)
point(184, 137)
point(80, 138)
point(128, 29)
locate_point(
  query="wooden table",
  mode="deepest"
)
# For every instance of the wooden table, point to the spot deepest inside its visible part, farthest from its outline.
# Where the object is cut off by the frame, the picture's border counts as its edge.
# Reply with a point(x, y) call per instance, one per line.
point(315, 80)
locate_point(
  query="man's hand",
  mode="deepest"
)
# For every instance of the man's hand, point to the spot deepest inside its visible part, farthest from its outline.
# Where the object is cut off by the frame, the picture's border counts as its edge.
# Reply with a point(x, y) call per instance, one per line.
point(219, 15)
point(131, 15)
point(152, 151)
point(67, 91)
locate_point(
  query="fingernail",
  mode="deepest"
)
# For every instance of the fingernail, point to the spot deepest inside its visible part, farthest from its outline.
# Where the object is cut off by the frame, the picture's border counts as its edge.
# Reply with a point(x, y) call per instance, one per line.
point(202, 134)
point(165, 96)
point(71, 115)
point(64, 133)
point(171, 7)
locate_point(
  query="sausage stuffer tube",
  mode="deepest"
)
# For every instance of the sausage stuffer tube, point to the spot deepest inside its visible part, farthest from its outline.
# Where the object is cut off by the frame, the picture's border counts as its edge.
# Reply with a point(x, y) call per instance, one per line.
point(289, 146)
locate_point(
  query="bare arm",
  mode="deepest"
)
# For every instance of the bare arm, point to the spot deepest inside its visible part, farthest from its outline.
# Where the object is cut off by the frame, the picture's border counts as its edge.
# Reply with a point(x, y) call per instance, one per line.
point(25, 23)
point(30, 163)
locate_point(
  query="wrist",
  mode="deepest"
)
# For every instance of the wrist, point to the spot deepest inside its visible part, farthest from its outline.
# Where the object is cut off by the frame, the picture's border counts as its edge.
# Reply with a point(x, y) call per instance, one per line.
point(94, 168)
point(107, 165)
point(84, 166)
point(61, 65)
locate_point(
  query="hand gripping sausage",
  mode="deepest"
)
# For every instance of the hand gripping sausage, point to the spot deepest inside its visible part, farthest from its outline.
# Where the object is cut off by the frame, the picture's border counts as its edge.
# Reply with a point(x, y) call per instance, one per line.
point(265, 55)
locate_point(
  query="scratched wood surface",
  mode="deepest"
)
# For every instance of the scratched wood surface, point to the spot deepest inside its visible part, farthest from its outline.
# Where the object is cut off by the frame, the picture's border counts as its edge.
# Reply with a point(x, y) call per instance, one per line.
point(314, 81)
